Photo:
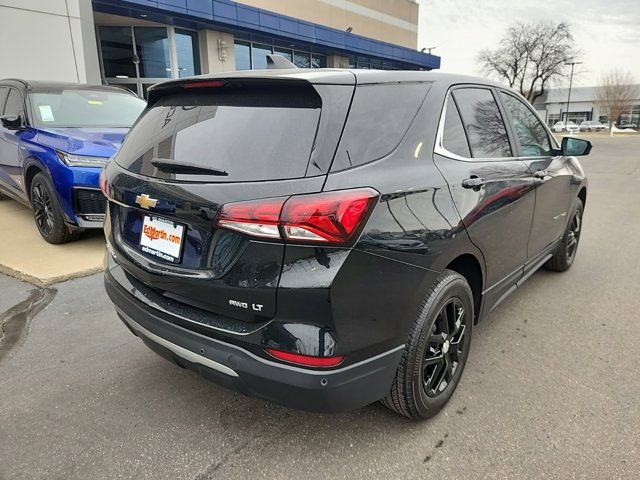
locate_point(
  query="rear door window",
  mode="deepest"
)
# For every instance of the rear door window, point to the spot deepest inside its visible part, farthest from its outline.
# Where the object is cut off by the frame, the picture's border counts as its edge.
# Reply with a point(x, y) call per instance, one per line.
point(483, 123)
point(379, 117)
point(248, 133)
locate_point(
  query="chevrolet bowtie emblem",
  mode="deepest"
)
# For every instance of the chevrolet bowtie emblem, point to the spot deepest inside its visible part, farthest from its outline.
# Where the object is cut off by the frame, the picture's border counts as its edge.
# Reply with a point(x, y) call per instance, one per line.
point(145, 201)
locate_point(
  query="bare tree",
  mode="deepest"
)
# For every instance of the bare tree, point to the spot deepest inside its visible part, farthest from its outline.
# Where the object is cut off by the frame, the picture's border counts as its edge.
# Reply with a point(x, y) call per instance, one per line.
point(616, 94)
point(530, 56)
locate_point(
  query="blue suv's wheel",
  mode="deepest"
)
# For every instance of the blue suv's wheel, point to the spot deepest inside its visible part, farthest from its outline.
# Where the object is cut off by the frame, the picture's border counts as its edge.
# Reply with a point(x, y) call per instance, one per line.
point(47, 212)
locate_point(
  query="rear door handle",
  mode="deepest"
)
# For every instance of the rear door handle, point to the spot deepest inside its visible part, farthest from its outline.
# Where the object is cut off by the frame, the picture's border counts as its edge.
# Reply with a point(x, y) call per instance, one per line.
point(540, 174)
point(473, 182)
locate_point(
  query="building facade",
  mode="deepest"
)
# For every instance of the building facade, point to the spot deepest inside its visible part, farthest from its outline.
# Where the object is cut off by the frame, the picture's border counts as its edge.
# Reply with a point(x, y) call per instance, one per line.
point(583, 106)
point(136, 43)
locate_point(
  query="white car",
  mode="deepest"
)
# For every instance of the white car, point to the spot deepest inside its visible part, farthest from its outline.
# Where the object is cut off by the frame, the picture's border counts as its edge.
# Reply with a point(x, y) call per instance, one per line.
point(592, 126)
point(569, 127)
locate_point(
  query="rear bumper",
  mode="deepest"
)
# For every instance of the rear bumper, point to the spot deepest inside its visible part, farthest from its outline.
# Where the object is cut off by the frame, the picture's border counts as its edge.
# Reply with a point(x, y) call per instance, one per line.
point(333, 390)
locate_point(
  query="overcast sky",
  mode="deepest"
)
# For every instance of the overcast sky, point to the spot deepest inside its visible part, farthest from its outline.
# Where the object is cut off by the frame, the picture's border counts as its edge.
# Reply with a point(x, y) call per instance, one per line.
point(607, 31)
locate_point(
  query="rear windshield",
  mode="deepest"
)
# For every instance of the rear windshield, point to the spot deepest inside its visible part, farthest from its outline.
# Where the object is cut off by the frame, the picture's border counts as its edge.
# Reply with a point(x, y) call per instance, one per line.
point(85, 108)
point(245, 133)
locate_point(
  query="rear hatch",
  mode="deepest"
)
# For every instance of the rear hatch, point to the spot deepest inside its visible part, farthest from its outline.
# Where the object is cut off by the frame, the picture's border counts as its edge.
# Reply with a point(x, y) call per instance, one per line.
point(203, 144)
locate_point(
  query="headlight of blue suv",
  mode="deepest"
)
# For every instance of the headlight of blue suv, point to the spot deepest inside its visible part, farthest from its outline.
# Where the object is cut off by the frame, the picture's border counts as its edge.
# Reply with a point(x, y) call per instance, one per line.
point(82, 160)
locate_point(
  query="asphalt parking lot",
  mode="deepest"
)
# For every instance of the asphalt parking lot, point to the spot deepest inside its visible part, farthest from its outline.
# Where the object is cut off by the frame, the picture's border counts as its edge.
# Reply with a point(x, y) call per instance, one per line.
point(551, 389)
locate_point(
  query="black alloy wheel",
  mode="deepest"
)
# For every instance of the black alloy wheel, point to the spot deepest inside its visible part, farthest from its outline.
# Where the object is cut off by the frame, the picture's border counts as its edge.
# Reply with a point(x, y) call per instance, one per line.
point(42, 209)
point(436, 349)
point(47, 212)
point(573, 235)
point(565, 254)
point(445, 348)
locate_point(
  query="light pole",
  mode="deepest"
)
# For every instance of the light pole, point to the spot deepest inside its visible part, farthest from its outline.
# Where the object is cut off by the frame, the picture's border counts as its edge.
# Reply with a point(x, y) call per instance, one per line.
point(566, 122)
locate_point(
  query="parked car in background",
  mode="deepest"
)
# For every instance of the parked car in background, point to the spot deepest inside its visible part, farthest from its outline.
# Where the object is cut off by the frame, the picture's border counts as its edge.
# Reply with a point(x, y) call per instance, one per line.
point(592, 126)
point(627, 125)
point(54, 140)
point(329, 238)
point(568, 127)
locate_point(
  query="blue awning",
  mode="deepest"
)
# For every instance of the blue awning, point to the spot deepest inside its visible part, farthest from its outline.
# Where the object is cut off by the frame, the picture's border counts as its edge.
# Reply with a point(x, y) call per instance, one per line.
point(230, 16)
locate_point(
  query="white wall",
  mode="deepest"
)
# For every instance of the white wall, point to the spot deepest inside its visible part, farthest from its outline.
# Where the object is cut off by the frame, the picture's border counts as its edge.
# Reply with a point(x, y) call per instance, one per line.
point(48, 40)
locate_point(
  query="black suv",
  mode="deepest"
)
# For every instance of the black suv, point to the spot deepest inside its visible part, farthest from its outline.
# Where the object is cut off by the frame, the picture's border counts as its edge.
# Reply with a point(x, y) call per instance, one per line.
point(328, 238)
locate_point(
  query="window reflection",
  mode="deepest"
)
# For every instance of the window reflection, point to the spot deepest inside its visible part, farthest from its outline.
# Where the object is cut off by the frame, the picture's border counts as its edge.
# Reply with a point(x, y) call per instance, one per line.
point(116, 45)
point(152, 46)
point(243, 56)
point(259, 56)
point(483, 123)
point(188, 55)
point(532, 136)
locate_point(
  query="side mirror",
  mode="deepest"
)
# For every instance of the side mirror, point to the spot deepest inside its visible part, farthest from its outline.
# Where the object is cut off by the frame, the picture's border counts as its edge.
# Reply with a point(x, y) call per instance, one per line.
point(11, 122)
point(575, 147)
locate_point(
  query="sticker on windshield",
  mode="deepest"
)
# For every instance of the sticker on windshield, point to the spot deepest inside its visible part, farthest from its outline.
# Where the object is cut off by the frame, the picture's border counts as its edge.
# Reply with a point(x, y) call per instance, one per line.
point(94, 102)
point(46, 113)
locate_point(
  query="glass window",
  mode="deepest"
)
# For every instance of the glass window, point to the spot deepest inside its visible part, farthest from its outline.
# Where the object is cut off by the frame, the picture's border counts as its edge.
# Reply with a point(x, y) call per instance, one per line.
point(483, 123)
point(380, 116)
point(116, 45)
point(3, 96)
point(531, 134)
point(453, 138)
point(252, 133)
point(318, 61)
point(15, 104)
point(152, 46)
point(243, 56)
point(85, 108)
point(302, 59)
point(188, 54)
point(288, 54)
point(259, 56)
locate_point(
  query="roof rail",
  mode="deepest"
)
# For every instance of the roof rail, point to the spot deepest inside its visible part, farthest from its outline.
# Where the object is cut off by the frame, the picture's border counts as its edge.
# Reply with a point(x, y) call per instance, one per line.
point(278, 62)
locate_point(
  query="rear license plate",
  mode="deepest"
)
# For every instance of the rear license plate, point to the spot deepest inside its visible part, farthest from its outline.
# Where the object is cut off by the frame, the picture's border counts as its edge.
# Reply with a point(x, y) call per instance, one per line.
point(162, 238)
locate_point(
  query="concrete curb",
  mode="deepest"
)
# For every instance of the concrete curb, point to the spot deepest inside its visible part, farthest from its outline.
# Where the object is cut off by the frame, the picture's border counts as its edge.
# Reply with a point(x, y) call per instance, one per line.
point(45, 282)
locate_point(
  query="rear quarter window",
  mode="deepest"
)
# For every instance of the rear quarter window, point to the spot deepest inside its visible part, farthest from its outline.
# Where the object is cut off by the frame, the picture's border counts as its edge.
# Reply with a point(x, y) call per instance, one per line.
point(379, 117)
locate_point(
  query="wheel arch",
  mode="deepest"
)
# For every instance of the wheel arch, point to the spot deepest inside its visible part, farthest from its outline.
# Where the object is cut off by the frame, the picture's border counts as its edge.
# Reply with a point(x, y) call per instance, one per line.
point(582, 195)
point(31, 170)
point(470, 267)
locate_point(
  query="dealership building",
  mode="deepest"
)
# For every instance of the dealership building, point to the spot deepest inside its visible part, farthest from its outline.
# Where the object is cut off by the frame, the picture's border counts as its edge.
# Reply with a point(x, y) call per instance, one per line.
point(136, 43)
point(583, 105)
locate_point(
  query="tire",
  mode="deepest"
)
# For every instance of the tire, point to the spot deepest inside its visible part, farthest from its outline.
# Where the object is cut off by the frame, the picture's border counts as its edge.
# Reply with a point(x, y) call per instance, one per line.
point(47, 212)
point(565, 254)
point(418, 391)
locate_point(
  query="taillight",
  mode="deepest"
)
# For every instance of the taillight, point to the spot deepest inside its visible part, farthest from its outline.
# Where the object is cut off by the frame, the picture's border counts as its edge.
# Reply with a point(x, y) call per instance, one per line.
point(330, 217)
point(259, 218)
point(306, 360)
point(104, 185)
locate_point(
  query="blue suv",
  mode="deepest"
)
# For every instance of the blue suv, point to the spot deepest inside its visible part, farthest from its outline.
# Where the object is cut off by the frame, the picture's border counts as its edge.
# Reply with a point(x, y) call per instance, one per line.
point(54, 140)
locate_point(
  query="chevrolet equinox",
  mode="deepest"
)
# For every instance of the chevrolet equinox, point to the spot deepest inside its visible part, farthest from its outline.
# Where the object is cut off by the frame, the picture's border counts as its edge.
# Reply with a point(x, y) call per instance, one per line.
point(328, 238)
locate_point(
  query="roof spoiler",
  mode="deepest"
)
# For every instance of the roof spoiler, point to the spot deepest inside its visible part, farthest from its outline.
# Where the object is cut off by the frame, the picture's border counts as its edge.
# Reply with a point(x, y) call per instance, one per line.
point(278, 62)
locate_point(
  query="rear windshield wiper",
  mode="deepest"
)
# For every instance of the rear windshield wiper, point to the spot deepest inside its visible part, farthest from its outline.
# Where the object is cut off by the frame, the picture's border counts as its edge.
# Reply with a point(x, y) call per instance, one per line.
point(185, 168)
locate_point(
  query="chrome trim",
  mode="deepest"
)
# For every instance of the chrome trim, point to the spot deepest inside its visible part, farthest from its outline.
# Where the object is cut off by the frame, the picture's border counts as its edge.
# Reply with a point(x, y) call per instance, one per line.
point(181, 351)
point(439, 148)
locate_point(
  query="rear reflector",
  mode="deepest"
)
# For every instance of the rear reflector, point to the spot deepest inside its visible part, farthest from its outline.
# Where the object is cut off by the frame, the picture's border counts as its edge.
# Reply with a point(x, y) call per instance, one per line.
point(306, 360)
point(330, 217)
